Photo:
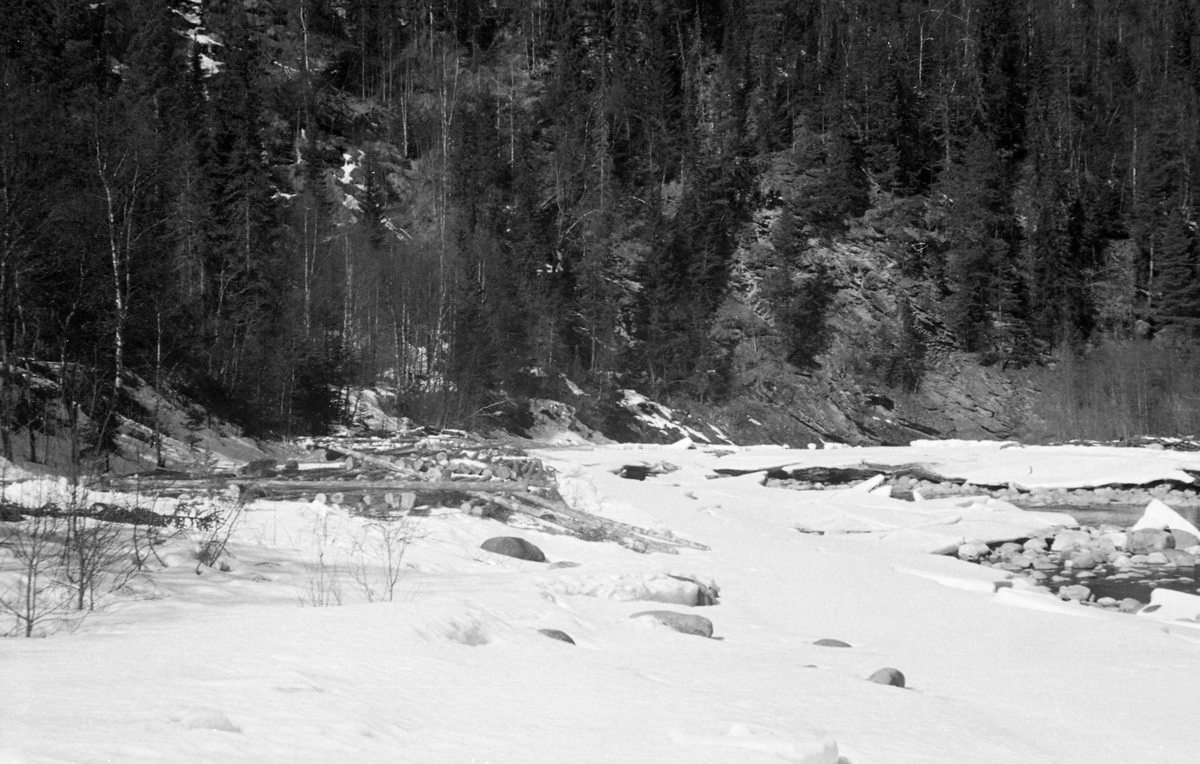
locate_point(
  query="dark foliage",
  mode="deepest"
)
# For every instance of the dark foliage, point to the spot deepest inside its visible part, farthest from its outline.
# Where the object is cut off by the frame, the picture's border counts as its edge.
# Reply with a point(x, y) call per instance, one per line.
point(272, 201)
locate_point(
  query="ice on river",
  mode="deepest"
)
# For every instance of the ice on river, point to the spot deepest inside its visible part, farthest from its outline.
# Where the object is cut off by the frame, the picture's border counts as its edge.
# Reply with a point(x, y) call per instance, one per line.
point(281, 658)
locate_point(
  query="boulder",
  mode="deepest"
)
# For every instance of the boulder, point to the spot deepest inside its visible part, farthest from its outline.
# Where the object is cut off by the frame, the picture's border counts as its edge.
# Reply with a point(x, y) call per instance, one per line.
point(1180, 557)
point(1075, 592)
point(831, 643)
point(1021, 561)
point(561, 636)
point(1156, 558)
point(1035, 545)
point(1066, 540)
point(1147, 540)
point(685, 623)
point(973, 551)
point(1083, 559)
point(1184, 539)
point(1103, 547)
point(512, 546)
point(888, 676)
point(1009, 549)
point(1129, 605)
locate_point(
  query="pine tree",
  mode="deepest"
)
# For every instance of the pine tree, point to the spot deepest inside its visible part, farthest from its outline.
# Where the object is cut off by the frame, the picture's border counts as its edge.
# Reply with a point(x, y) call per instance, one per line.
point(974, 223)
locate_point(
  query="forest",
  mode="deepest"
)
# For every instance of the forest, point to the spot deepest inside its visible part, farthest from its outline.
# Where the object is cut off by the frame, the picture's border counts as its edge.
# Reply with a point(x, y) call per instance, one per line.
point(264, 202)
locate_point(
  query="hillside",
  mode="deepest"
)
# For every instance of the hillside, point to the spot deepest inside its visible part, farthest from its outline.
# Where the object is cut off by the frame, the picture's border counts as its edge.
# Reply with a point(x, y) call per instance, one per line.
point(853, 221)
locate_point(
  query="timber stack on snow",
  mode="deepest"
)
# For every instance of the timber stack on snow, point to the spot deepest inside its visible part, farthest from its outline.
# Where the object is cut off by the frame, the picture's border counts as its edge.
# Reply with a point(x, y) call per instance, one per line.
point(407, 473)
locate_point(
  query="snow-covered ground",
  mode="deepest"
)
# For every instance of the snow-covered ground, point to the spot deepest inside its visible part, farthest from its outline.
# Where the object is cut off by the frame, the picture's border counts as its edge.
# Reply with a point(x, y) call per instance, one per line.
point(196, 664)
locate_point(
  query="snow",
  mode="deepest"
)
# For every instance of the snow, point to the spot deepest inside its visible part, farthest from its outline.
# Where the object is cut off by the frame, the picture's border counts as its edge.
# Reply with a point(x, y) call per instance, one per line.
point(999, 463)
point(199, 664)
point(1159, 515)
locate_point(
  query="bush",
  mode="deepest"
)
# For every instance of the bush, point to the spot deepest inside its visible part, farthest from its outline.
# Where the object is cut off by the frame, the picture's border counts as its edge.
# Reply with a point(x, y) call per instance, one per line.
point(1120, 390)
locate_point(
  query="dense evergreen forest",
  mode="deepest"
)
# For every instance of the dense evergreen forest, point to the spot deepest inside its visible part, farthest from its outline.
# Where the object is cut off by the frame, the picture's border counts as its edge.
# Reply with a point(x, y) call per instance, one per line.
point(263, 201)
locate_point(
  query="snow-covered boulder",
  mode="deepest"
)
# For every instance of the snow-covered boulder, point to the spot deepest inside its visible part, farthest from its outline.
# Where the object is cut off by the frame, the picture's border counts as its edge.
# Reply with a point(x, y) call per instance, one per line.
point(1170, 605)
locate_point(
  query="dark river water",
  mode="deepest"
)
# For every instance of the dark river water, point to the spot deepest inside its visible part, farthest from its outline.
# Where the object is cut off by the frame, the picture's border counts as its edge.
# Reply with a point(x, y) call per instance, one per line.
point(1147, 579)
point(1122, 515)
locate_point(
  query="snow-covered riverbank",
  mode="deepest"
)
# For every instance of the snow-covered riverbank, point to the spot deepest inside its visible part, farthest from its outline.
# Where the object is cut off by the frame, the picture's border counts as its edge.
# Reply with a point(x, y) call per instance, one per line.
point(196, 664)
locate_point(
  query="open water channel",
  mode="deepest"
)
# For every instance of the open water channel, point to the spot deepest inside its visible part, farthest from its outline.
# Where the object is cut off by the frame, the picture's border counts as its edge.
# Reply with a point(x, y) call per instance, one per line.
point(1137, 583)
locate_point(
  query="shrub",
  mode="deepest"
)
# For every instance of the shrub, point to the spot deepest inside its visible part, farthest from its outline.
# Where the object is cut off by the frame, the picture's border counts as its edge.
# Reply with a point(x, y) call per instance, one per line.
point(1120, 390)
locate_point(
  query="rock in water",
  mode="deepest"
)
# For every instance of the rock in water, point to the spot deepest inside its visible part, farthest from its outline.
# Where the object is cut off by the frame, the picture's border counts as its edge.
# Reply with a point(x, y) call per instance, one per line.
point(1148, 541)
point(831, 643)
point(1068, 539)
point(889, 676)
point(685, 623)
point(511, 546)
point(1130, 605)
point(1183, 539)
point(561, 636)
point(1075, 592)
point(1179, 557)
point(973, 550)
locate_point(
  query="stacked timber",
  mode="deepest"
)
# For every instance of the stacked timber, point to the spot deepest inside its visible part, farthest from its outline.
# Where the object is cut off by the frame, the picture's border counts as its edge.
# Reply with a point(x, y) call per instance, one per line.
point(408, 473)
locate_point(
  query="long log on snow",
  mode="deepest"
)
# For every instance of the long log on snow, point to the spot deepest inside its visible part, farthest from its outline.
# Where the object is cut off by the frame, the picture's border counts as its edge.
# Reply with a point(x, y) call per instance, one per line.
point(623, 533)
point(296, 487)
point(562, 508)
point(590, 527)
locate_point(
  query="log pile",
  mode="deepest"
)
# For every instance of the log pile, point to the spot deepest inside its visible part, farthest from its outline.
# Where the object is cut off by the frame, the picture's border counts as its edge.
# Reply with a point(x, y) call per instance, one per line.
point(407, 474)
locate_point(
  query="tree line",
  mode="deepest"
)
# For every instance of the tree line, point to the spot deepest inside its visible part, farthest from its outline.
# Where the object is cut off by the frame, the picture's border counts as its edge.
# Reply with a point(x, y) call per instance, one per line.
point(264, 201)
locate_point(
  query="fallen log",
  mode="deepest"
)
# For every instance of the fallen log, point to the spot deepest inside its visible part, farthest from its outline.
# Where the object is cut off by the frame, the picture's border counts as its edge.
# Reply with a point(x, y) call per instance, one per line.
point(562, 508)
point(297, 487)
point(591, 527)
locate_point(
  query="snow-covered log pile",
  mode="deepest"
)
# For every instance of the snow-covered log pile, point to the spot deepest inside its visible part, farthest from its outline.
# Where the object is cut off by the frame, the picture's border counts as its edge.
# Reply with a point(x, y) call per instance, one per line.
point(407, 473)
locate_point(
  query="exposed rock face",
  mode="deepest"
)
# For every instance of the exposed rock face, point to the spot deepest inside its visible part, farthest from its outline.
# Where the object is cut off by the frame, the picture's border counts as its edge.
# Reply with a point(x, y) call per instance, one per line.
point(851, 392)
point(511, 546)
